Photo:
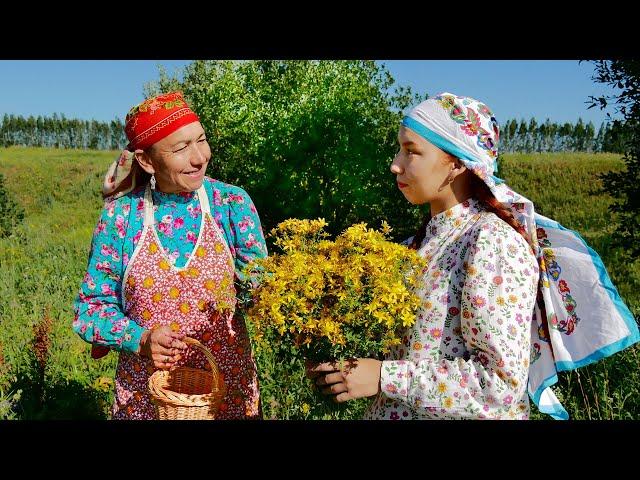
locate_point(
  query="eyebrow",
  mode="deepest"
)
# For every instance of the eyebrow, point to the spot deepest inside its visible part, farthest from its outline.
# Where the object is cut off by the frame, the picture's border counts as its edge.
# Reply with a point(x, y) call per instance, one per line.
point(409, 143)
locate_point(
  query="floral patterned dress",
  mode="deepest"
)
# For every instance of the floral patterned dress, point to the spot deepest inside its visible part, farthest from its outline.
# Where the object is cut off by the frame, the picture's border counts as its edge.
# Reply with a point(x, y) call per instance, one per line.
point(179, 270)
point(468, 354)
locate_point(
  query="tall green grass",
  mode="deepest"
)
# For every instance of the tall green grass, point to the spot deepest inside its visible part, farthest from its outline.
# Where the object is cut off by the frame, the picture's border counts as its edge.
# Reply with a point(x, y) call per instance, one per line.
point(42, 264)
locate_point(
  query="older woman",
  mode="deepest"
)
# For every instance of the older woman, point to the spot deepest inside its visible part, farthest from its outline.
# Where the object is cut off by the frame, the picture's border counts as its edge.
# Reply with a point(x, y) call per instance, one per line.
point(167, 248)
point(510, 298)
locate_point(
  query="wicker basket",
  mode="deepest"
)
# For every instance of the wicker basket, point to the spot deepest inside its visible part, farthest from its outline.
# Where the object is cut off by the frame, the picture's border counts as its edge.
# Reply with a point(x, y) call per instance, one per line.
point(186, 393)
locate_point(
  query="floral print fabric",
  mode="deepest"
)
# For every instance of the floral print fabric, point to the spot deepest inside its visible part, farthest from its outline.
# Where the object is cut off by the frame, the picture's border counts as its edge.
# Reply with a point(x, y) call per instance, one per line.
point(199, 299)
point(99, 316)
point(467, 356)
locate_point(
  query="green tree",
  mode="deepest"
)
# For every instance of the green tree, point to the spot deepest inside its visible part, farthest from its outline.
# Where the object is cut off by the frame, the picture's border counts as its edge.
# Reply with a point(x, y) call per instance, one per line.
point(306, 139)
point(624, 186)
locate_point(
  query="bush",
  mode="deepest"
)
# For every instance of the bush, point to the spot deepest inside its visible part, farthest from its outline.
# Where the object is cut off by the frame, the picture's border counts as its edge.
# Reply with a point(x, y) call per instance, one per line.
point(11, 214)
point(306, 139)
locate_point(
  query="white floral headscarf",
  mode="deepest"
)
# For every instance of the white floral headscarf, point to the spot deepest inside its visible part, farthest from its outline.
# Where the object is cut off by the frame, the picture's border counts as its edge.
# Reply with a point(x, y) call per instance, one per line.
point(586, 319)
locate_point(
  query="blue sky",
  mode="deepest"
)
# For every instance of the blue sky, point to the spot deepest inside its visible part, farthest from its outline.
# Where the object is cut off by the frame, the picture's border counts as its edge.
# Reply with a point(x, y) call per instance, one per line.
point(106, 89)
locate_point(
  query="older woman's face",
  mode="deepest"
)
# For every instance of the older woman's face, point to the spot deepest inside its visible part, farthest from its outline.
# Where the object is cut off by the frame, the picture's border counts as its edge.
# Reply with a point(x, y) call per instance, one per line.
point(180, 159)
point(420, 167)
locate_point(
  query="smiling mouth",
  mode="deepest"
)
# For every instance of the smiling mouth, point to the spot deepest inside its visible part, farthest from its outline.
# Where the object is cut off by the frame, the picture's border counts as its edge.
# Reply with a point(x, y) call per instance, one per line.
point(402, 185)
point(194, 173)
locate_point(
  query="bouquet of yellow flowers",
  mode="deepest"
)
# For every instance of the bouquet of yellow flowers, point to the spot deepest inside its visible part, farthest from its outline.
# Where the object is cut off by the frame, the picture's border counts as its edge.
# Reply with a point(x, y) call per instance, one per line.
point(339, 299)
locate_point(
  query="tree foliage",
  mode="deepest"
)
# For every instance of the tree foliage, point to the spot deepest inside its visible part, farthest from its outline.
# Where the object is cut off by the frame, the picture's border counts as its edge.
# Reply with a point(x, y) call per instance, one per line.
point(624, 186)
point(306, 139)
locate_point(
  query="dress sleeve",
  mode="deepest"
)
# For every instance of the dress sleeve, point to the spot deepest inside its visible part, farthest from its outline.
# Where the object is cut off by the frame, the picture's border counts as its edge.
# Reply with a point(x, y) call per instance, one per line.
point(99, 318)
point(248, 241)
point(497, 300)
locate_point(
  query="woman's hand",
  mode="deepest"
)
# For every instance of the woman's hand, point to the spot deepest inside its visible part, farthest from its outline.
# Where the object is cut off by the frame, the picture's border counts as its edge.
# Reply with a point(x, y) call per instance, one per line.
point(163, 346)
point(353, 379)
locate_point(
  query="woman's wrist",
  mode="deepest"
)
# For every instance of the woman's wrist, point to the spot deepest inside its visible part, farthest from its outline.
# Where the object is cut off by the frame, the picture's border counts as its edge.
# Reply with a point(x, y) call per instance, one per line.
point(144, 338)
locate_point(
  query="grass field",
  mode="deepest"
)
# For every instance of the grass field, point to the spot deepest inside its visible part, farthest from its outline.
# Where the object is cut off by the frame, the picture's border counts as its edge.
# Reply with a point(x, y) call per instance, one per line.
point(51, 375)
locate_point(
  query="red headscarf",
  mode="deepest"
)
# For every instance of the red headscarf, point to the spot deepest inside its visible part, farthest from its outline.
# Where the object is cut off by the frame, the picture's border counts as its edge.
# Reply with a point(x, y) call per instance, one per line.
point(146, 124)
point(155, 118)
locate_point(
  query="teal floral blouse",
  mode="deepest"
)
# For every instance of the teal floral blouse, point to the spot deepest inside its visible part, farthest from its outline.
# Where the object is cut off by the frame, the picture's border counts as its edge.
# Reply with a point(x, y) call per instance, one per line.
point(98, 311)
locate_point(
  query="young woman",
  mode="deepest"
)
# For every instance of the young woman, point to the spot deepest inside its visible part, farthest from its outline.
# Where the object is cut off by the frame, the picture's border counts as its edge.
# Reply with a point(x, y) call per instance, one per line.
point(509, 297)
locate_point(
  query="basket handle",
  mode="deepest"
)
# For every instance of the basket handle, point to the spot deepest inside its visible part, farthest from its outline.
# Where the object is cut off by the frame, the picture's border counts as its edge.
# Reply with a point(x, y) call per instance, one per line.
point(215, 372)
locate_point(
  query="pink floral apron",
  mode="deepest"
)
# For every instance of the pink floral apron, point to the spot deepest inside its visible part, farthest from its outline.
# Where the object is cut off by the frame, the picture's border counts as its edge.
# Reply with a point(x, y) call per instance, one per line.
point(200, 298)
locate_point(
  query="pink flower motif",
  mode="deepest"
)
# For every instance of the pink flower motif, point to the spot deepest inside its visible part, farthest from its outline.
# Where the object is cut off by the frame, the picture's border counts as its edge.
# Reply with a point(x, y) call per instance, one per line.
point(394, 416)
point(101, 227)
point(136, 237)
point(497, 280)
point(140, 205)
point(106, 289)
point(478, 301)
point(166, 229)
point(217, 199)
point(167, 219)
point(105, 250)
point(236, 198)
point(391, 388)
point(436, 332)
point(94, 307)
point(104, 267)
point(126, 209)
point(178, 223)
point(106, 313)
point(120, 226)
point(507, 400)
point(191, 237)
point(454, 311)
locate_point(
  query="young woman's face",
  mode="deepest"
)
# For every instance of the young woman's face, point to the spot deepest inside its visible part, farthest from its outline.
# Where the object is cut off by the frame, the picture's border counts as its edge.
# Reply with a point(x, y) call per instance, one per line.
point(180, 159)
point(420, 167)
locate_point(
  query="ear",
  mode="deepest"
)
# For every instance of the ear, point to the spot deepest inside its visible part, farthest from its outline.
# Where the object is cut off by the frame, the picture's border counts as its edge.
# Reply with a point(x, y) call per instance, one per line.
point(145, 161)
point(457, 168)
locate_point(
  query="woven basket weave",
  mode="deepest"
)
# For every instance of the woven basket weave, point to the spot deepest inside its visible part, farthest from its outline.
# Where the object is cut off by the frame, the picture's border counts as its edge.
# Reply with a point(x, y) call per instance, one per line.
point(186, 393)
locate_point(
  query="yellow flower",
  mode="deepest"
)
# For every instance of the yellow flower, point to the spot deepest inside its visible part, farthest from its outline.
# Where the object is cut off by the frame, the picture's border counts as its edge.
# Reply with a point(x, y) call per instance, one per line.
point(218, 247)
point(305, 408)
point(157, 297)
point(500, 301)
point(202, 305)
point(148, 282)
point(209, 285)
point(201, 252)
point(513, 298)
point(146, 314)
point(131, 281)
point(174, 292)
point(448, 402)
point(153, 247)
point(193, 272)
point(184, 308)
point(163, 264)
point(442, 387)
point(417, 346)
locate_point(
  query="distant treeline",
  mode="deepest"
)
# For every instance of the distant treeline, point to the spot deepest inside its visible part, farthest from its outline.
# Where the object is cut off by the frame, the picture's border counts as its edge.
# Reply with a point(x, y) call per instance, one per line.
point(528, 137)
point(515, 136)
point(60, 132)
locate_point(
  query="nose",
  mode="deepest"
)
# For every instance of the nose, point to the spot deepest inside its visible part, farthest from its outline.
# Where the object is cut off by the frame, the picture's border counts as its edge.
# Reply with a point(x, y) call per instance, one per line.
point(395, 168)
point(199, 156)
